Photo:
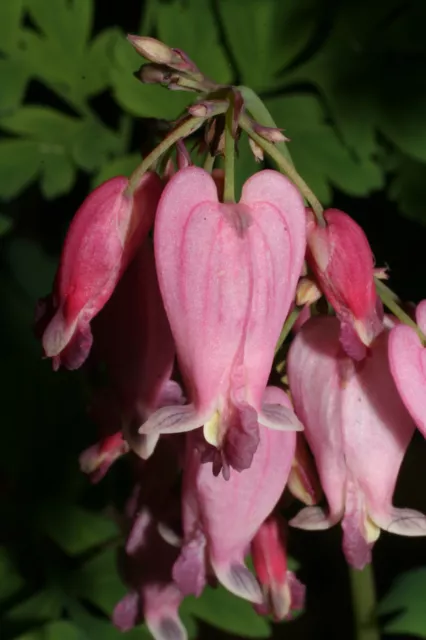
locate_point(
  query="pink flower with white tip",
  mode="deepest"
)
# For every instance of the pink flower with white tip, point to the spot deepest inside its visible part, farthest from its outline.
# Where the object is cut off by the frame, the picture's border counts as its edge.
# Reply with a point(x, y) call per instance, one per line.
point(228, 274)
point(358, 430)
point(221, 518)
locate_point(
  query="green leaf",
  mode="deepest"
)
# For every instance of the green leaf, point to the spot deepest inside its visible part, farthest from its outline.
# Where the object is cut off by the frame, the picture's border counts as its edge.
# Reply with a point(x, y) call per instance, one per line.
point(266, 36)
point(148, 101)
point(10, 579)
point(319, 155)
point(98, 581)
point(58, 175)
point(6, 225)
point(191, 26)
point(43, 124)
point(94, 628)
point(94, 145)
point(225, 611)
point(406, 598)
point(408, 189)
point(69, 23)
point(13, 81)
point(19, 166)
point(59, 630)
point(44, 605)
point(122, 166)
point(76, 530)
point(10, 18)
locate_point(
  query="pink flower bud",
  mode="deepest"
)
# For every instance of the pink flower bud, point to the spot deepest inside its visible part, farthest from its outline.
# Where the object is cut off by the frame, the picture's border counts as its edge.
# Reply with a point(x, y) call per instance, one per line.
point(227, 274)
point(342, 261)
point(358, 430)
point(101, 240)
point(282, 591)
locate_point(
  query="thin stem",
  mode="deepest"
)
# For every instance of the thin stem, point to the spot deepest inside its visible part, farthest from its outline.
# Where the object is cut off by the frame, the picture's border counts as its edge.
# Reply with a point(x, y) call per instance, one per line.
point(287, 327)
point(285, 167)
point(184, 129)
point(229, 187)
point(209, 163)
point(364, 603)
point(260, 113)
point(387, 296)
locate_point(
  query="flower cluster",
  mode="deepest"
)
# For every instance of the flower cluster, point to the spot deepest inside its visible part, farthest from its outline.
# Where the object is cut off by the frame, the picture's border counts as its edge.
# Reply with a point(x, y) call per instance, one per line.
point(183, 295)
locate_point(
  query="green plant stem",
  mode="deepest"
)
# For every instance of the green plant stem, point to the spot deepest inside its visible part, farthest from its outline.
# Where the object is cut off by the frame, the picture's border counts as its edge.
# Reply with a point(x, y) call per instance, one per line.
point(209, 163)
point(229, 160)
point(260, 113)
point(287, 327)
point(184, 129)
point(364, 603)
point(387, 296)
point(285, 167)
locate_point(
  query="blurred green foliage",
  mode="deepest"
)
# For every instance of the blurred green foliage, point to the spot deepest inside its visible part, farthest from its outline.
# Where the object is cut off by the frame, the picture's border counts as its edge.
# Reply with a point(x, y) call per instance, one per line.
point(350, 93)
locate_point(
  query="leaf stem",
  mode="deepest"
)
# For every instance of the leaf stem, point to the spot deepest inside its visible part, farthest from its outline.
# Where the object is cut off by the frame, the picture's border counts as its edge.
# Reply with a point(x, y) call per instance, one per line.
point(285, 167)
point(287, 327)
point(364, 603)
point(229, 160)
point(387, 296)
point(184, 129)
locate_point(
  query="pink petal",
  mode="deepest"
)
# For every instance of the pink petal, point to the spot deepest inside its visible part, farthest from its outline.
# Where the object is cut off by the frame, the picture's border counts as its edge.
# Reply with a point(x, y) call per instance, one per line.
point(314, 371)
point(407, 359)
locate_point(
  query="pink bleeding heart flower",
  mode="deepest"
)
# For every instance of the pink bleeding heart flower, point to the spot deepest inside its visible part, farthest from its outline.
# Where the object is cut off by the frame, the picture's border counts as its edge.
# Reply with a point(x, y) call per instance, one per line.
point(221, 518)
point(148, 559)
point(340, 257)
point(101, 241)
point(283, 592)
point(134, 341)
point(228, 274)
point(358, 430)
point(407, 357)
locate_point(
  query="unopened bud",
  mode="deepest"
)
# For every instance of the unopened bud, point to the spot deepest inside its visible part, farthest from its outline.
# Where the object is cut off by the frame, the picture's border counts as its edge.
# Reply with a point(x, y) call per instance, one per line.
point(153, 50)
point(208, 108)
point(271, 134)
point(307, 292)
point(154, 74)
point(256, 150)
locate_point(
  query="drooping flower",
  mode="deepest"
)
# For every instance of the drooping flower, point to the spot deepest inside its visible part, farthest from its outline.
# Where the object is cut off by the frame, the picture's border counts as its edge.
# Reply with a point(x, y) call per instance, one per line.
point(282, 591)
point(407, 357)
point(227, 274)
point(148, 559)
point(134, 341)
point(358, 430)
point(340, 257)
point(221, 518)
point(101, 241)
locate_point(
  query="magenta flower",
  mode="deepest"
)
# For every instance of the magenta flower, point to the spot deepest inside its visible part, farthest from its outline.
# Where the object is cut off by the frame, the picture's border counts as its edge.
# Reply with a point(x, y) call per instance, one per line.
point(221, 518)
point(408, 365)
point(282, 591)
point(358, 430)
point(341, 259)
point(227, 274)
point(101, 241)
